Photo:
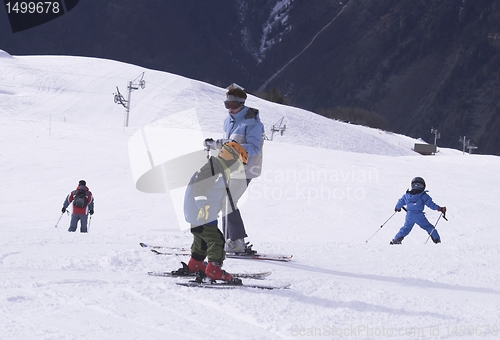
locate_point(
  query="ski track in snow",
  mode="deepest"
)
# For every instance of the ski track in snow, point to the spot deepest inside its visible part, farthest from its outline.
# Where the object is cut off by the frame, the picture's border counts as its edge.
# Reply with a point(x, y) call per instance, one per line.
point(327, 187)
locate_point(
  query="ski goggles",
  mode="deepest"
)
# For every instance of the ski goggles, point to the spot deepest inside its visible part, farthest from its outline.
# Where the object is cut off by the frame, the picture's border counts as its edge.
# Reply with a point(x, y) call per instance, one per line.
point(232, 105)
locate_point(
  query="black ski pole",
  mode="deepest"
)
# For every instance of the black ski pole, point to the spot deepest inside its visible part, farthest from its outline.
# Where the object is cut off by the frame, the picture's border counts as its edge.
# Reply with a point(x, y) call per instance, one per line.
point(435, 225)
point(60, 218)
point(207, 149)
point(381, 226)
point(207, 143)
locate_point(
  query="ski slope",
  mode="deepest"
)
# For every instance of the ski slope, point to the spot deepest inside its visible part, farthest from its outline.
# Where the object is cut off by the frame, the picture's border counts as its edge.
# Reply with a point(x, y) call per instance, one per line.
point(327, 187)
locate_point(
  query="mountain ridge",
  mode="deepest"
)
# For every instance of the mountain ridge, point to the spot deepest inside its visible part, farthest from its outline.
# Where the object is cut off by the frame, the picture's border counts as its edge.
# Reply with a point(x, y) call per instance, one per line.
point(417, 65)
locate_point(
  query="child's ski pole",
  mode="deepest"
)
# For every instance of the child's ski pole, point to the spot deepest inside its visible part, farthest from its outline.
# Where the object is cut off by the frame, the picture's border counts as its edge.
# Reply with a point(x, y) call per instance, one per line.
point(381, 226)
point(435, 225)
point(384, 224)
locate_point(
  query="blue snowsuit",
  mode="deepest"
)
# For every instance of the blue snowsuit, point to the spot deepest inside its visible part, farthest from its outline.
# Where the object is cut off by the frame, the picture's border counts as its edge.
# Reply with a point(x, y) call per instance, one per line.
point(415, 204)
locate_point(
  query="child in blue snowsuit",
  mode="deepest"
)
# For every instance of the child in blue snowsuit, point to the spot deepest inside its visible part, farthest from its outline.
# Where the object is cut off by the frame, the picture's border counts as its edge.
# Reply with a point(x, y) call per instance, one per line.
point(415, 200)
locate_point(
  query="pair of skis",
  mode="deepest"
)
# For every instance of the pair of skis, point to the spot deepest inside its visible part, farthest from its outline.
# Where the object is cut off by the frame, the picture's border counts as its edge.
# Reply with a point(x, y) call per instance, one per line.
point(250, 255)
point(203, 283)
point(199, 280)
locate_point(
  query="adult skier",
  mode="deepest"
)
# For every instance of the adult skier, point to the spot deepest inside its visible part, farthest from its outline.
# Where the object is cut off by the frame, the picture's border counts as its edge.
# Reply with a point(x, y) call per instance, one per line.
point(83, 204)
point(415, 200)
point(242, 125)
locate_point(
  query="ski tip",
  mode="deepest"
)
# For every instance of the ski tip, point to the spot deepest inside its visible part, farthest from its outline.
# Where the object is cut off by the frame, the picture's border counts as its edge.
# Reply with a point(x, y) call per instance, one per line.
point(258, 256)
point(287, 286)
point(257, 276)
point(144, 245)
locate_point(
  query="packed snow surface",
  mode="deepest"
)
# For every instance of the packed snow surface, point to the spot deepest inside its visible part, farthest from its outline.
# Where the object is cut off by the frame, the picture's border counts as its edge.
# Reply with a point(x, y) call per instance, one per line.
point(327, 188)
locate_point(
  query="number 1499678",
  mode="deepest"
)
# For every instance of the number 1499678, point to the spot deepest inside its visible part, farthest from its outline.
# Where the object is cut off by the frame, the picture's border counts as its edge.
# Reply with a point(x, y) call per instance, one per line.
point(33, 7)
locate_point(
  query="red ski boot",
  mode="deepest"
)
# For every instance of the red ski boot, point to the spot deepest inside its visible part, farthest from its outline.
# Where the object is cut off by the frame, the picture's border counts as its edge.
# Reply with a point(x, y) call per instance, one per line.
point(194, 266)
point(214, 272)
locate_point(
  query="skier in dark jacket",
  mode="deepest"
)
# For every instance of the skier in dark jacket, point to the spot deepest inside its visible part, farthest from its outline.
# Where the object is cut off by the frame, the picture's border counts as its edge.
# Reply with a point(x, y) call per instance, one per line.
point(204, 199)
point(83, 204)
point(415, 200)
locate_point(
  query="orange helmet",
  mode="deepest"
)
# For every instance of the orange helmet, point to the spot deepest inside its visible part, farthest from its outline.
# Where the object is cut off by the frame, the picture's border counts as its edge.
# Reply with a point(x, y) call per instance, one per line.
point(232, 151)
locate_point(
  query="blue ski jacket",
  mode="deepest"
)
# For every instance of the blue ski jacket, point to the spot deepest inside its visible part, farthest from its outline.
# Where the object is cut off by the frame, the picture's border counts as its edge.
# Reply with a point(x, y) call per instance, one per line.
point(246, 128)
point(416, 203)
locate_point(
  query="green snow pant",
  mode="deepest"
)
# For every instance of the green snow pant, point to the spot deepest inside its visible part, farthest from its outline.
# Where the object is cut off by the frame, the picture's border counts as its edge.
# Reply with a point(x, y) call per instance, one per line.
point(208, 242)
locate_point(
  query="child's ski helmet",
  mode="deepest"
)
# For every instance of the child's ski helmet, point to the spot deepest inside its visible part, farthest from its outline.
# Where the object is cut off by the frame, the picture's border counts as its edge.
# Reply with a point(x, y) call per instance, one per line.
point(418, 183)
point(231, 151)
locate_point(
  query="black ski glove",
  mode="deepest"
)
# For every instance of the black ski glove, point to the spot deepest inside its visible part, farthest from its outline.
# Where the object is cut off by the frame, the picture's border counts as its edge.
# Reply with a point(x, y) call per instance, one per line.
point(209, 143)
point(91, 212)
point(63, 210)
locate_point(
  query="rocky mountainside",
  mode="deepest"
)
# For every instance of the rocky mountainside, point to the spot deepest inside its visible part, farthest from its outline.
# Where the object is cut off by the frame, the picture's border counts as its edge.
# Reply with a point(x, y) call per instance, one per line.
point(418, 64)
point(402, 65)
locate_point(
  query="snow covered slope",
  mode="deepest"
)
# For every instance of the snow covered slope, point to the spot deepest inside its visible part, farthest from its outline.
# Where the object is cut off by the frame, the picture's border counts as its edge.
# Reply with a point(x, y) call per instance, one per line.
point(327, 187)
